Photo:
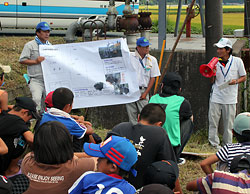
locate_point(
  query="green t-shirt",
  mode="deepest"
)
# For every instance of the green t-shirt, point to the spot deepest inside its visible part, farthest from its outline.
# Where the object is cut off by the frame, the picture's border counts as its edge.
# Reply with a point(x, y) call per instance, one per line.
point(172, 105)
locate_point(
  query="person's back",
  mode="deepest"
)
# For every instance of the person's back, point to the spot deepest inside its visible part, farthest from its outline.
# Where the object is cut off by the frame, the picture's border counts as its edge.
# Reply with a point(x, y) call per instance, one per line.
point(179, 122)
point(151, 142)
point(52, 167)
point(172, 105)
point(62, 99)
point(117, 157)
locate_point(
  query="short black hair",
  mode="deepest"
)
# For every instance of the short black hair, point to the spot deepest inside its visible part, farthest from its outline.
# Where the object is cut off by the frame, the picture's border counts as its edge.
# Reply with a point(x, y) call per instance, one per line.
point(1, 75)
point(52, 143)
point(245, 137)
point(231, 50)
point(153, 113)
point(62, 97)
point(122, 173)
point(19, 108)
point(38, 30)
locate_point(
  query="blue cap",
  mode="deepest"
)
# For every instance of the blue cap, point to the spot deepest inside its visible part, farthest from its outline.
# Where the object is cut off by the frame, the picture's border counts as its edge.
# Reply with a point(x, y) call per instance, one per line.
point(142, 42)
point(44, 26)
point(117, 149)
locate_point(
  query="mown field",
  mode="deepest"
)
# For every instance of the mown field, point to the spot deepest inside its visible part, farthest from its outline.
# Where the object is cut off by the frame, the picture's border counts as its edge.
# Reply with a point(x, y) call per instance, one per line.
point(233, 18)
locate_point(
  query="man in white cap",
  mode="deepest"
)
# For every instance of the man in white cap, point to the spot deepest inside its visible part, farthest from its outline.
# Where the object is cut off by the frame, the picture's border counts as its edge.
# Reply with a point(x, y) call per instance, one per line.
point(147, 70)
point(230, 72)
point(30, 56)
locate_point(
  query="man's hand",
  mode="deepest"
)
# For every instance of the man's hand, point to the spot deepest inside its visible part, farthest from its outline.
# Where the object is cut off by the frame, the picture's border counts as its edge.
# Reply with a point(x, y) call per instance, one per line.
point(233, 82)
point(40, 59)
point(143, 96)
point(90, 130)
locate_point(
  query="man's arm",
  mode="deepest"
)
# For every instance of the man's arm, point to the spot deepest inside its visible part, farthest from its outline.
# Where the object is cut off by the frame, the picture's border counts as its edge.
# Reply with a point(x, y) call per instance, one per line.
point(4, 101)
point(3, 147)
point(186, 111)
point(29, 137)
point(237, 81)
point(150, 85)
point(206, 164)
point(32, 62)
point(177, 188)
point(192, 186)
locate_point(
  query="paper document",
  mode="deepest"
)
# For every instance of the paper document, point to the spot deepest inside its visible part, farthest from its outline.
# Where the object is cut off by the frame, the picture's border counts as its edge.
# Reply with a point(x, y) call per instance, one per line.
point(99, 73)
point(224, 85)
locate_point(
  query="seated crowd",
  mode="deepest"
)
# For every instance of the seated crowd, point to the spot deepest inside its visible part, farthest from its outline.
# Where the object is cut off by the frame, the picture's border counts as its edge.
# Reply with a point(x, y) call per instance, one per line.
point(64, 155)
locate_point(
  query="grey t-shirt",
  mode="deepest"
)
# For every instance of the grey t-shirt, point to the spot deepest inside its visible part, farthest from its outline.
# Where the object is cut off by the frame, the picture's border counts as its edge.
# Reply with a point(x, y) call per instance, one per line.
point(31, 51)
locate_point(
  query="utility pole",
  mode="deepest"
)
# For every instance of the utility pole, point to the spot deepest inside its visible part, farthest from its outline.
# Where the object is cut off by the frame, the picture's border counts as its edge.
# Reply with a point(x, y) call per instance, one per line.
point(162, 23)
point(247, 19)
point(214, 26)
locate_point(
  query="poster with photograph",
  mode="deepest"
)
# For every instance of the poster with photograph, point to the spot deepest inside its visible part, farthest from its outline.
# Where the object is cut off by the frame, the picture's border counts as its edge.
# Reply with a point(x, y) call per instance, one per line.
point(99, 73)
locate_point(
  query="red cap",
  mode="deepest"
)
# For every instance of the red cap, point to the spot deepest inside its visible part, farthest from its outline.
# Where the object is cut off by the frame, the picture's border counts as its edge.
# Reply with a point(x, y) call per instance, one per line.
point(48, 100)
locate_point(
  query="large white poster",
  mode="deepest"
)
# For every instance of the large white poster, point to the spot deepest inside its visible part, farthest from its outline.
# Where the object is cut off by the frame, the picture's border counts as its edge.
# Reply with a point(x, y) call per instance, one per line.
point(98, 72)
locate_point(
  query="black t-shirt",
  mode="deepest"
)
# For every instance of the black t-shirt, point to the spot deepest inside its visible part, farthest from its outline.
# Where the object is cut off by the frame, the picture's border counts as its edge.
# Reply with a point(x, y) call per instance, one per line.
point(152, 144)
point(12, 128)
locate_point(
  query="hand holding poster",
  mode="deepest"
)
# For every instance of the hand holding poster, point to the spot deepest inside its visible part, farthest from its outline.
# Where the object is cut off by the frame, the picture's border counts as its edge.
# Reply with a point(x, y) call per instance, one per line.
point(99, 73)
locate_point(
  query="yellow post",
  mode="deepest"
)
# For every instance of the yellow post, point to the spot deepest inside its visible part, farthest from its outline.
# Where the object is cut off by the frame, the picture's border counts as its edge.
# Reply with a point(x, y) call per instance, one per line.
point(162, 52)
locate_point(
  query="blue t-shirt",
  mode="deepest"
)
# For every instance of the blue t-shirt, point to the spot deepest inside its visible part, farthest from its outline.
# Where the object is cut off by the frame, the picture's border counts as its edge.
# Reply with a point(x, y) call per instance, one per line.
point(91, 182)
point(74, 128)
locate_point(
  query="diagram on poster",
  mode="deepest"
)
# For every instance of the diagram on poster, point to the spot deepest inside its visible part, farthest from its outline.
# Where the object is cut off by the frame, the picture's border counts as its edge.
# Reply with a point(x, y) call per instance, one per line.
point(99, 73)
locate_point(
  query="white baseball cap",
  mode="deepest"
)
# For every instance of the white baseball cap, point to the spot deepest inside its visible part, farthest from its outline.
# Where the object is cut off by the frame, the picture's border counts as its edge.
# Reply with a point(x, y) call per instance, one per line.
point(5, 68)
point(223, 42)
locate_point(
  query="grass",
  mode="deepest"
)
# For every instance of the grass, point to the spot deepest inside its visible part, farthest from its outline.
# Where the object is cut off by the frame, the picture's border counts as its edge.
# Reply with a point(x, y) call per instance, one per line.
point(233, 18)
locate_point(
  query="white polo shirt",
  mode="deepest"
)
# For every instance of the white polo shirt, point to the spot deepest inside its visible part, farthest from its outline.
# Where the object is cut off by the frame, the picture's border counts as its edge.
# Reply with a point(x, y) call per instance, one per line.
point(234, 69)
point(144, 75)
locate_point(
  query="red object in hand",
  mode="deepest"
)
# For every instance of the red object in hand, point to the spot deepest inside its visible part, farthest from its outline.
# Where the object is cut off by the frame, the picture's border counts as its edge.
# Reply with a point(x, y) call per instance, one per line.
point(207, 70)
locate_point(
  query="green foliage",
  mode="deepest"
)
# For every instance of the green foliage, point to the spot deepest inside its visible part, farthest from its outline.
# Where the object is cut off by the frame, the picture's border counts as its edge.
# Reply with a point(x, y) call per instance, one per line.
point(229, 29)
point(233, 10)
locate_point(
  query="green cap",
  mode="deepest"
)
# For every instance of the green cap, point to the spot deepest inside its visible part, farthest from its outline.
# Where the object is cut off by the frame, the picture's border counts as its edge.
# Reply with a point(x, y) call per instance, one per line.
point(242, 122)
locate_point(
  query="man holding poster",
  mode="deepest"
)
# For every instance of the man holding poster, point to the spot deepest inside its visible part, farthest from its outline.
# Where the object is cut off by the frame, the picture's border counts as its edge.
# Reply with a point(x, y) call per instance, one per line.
point(147, 70)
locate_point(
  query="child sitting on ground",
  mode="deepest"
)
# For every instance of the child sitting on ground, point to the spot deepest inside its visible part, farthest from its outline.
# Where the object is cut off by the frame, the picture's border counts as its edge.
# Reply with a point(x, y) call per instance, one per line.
point(116, 159)
point(62, 99)
point(241, 130)
point(220, 182)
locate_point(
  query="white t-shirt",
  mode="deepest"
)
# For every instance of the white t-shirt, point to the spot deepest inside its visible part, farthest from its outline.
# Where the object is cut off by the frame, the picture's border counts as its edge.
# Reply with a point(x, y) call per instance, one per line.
point(144, 75)
point(234, 69)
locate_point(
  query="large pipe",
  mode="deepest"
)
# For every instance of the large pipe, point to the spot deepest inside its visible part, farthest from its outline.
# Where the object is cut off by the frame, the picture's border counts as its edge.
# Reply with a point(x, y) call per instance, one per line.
point(112, 14)
point(82, 24)
point(71, 32)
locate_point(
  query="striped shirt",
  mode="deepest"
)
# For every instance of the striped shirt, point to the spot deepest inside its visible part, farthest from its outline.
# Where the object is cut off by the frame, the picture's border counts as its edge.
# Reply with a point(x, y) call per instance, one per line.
point(229, 151)
point(221, 182)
